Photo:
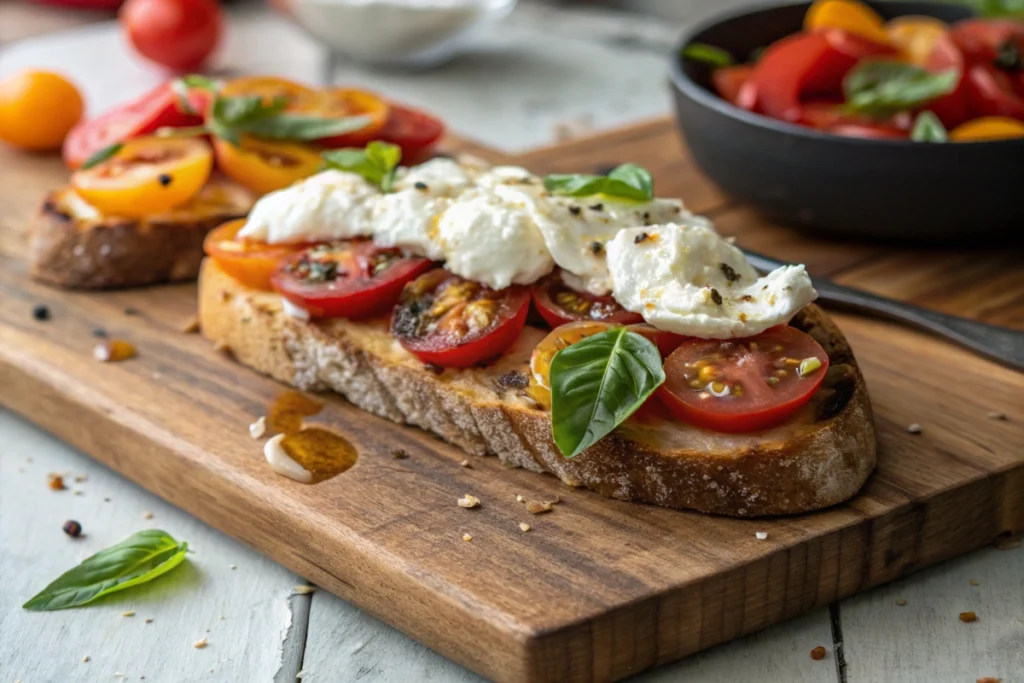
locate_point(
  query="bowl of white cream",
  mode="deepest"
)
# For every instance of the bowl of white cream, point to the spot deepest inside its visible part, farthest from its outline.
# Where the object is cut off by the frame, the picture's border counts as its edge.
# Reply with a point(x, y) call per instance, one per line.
point(404, 33)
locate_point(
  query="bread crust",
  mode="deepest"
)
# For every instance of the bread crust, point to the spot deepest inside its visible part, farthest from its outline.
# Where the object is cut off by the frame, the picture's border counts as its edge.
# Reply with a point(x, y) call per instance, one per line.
point(821, 457)
point(111, 252)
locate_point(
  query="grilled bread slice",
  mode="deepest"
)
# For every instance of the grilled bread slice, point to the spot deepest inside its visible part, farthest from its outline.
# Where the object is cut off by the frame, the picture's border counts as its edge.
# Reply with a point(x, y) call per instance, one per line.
point(820, 457)
point(74, 246)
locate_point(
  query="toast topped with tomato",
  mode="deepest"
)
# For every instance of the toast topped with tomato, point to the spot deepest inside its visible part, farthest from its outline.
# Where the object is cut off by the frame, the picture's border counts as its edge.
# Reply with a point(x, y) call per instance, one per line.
point(571, 324)
point(151, 178)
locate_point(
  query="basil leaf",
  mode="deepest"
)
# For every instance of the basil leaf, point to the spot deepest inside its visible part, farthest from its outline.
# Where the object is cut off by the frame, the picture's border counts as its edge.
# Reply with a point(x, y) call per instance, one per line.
point(881, 88)
point(101, 156)
point(928, 128)
point(297, 127)
point(377, 162)
point(708, 54)
point(627, 181)
point(597, 383)
point(139, 558)
point(232, 116)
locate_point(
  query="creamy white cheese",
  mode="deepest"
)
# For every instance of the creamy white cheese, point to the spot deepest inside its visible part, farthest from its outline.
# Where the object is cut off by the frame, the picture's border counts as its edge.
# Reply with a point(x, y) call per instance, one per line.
point(408, 219)
point(329, 205)
point(687, 279)
point(439, 177)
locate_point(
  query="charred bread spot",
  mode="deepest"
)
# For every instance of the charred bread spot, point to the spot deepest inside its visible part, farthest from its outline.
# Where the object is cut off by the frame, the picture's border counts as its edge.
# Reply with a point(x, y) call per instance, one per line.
point(513, 379)
point(51, 208)
point(839, 386)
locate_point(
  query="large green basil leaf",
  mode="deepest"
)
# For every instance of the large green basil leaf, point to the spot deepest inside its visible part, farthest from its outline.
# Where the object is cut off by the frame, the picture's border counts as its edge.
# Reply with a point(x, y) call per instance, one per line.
point(376, 162)
point(139, 558)
point(881, 88)
point(627, 181)
point(597, 383)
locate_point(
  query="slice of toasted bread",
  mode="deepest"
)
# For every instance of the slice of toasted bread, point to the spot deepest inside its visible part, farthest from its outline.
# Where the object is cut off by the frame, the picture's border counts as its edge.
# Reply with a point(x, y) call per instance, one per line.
point(74, 246)
point(820, 457)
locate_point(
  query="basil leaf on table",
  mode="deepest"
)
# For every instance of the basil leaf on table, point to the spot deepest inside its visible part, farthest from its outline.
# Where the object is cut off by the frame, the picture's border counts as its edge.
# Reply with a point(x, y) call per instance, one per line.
point(100, 156)
point(377, 162)
point(139, 558)
point(597, 383)
point(627, 181)
point(882, 88)
point(708, 54)
point(928, 128)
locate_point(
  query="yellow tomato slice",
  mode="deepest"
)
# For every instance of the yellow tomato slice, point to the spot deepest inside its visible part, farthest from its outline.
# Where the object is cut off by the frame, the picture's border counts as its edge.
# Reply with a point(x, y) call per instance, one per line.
point(147, 176)
point(849, 15)
point(268, 88)
point(251, 263)
point(557, 339)
point(343, 102)
point(988, 128)
point(915, 36)
point(264, 166)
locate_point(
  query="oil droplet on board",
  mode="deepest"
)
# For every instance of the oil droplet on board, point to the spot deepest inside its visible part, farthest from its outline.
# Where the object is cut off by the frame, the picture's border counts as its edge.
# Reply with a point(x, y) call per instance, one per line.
point(308, 455)
point(113, 351)
point(285, 415)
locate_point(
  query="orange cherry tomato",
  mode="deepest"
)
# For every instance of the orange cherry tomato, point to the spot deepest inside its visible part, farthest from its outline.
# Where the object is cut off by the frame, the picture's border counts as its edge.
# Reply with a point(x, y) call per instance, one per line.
point(558, 339)
point(37, 109)
point(344, 102)
point(264, 166)
point(146, 176)
point(988, 128)
point(267, 87)
point(251, 263)
point(915, 36)
point(849, 15)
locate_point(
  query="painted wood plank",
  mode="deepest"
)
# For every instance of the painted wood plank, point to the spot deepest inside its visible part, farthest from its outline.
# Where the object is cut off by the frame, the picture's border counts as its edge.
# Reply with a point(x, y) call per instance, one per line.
point(226, 593)
point(924, 640)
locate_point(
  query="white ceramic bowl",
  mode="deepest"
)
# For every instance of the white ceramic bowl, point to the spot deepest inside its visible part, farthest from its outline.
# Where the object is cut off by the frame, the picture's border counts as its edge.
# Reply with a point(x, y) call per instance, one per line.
point(408, 33)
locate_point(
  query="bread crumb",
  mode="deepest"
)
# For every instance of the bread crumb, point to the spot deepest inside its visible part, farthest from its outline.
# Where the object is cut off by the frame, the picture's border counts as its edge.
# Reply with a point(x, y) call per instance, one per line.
point(258, 428)
point(55, 482)
point(149, 620)
point(761, 535)
point(536, 507)
point(968, 617)
point(399, 453)
point(974, 582)
point(128, 614)
point(79, 478)
point(914, 428)
point(818, 653)
point(467, 538)
point(86, 658)
point(221, 346)
point(465, 463)
point(523, 526)
point(233, 566)
point(191, 325)
point(902, 602)
point(469, 501)
point(304, 590)
point(200, 644)
point(147, 515)
point(997, 416)
point(519, 498)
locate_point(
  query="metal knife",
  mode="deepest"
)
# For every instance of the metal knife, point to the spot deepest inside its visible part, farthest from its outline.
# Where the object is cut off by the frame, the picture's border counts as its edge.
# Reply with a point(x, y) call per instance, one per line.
point(1000, 344)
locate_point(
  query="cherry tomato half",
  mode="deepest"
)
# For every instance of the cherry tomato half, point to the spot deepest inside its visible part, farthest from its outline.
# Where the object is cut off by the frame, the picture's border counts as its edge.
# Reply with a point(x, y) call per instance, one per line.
point(982, 40)
point(416, 132)
point(735, 84)
point(264, 166)
point(346, 279)
point(559, 338)
point(146, 176)
point(158, 108)
point(251, 263)
point(991, 92)
point(559, 304)
point(951, 108)
point(743, 385)
point(178, 34)
point(455, 323)
point(344, 102)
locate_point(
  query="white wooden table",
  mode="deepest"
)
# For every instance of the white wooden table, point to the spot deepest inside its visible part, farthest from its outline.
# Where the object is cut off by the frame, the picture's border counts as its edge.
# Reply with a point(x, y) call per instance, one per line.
point(559, 71)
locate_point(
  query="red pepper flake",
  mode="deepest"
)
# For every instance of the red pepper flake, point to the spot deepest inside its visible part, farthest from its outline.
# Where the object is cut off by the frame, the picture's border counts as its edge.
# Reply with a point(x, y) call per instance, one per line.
point(818, 653)
point(968, 617)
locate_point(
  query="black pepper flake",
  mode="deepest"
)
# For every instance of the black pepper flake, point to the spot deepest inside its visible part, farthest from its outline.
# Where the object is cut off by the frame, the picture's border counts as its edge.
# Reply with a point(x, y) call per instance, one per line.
point(132, 311)
point(716, 297)
point(596, 247)
point(730, 274)
point(575, 210)
point(41, 313)
point(597, 207)
point(513, 379)
point(420, 185)
point(72, 528)
point(642, 237)
point(647, 217)
point(399, 453)
point(165, 179)
point(431, 367)
point(99, 333)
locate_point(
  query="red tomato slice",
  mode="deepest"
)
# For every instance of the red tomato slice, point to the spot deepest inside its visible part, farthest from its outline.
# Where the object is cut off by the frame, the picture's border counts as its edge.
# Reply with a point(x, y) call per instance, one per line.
point(991, 92)
point(158, 108)
point(250, 262)
point(667, 342)
point(981, 39)
point(742, 385)
point(951, 109)
point(734, 84)
point(558, 304)
point(846, 51)
point(416, 132)
point(447, 321)
point(346, 279)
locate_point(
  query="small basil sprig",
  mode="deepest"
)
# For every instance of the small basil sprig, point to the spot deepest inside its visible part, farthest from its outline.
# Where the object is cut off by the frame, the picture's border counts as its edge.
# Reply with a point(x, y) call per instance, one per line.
point(139, 558)
point(597, 383)
point(928, 128)
point(708, 54)
point(377, 162)
point(881, 88)
point(102, 155)
point(627, 181)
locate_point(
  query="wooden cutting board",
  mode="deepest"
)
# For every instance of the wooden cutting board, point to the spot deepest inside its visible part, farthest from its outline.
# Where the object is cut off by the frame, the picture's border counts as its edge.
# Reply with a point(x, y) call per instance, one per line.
point(598, 589)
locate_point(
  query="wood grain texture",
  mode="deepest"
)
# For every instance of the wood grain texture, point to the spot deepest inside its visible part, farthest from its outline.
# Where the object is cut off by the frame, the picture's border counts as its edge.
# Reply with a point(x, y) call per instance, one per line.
point(599, 590)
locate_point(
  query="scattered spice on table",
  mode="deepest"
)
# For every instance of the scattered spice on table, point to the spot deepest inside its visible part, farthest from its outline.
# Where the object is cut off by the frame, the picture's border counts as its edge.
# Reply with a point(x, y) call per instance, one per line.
point(200, 644)
point(467, 538)
point(41, 313)
point(55, 482)
point(997, 416)
point(466, 464)
point(524, 527)
point(469, 501)
point(914, 428)
point(128, 614)
point(902, 602)
point(72, 528)
point(968, 617)
point(399, 453)
point(818, 653)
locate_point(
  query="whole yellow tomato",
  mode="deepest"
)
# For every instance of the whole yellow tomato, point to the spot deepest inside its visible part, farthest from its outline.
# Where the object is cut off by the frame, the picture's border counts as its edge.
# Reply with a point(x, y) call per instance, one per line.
point(37, 109)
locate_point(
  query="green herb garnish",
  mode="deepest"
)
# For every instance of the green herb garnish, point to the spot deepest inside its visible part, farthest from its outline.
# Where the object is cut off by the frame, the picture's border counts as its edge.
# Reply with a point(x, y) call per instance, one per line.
point(928, 128)
point(708, 54)
point(998, 8)
point(597, 383)
point(882, 88)
point(137, 559)
point(99, 157)
point(182, 86)
point(377, 162)
point(627, 181)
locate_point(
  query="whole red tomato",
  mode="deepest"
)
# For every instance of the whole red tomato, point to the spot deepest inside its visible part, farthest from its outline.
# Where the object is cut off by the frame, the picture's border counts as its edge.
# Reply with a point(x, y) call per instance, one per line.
point(179, 34)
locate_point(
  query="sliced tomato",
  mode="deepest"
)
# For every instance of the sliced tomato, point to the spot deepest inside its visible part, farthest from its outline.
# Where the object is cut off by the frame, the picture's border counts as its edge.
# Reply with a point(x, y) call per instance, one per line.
point(559, 304)
point(849, 15)
point(915, 36)
point(667, 342)
point(450, 322)
point(735, 84)
point(251, 263)
point(991, 92)
point(558, 339)
point(263, 166)
point(352, 279)
point(982, 40)
point(416, 132)
point(269, 88)
point(344, 102)
point(952, 109)
point(743, 385)
point(988, 128)
point(158, 108)
point(830, 117)
point(146, 176)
